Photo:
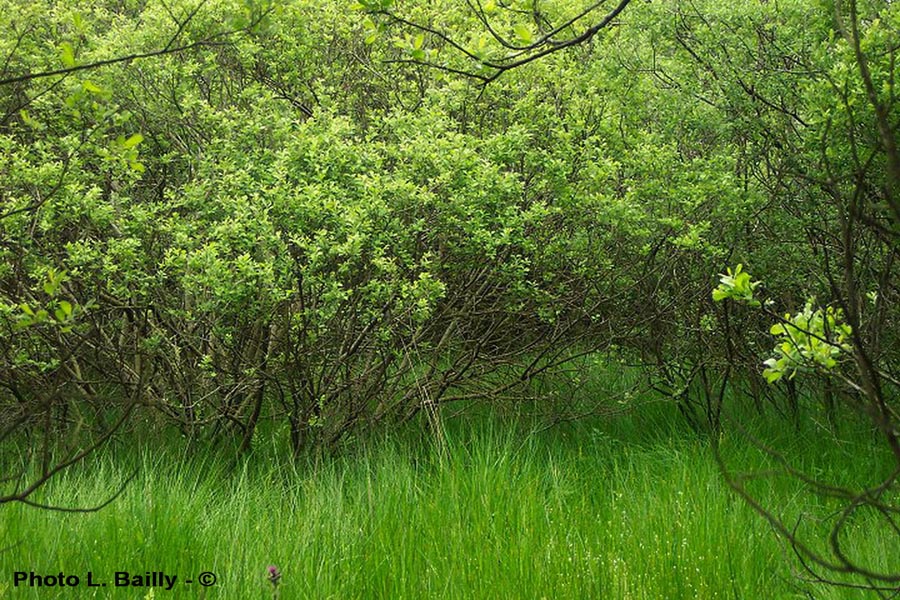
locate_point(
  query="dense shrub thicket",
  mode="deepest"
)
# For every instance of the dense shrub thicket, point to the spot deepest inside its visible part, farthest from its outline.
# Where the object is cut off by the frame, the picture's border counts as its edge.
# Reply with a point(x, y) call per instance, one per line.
point(285, 216)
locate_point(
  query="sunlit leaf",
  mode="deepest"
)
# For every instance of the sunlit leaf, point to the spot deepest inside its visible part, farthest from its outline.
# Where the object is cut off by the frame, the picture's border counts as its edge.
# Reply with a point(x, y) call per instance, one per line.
point(67, 54)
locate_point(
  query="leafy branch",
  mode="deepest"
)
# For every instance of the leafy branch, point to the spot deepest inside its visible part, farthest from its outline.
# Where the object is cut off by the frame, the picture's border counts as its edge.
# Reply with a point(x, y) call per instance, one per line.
point(526, 48)
point(171, 47)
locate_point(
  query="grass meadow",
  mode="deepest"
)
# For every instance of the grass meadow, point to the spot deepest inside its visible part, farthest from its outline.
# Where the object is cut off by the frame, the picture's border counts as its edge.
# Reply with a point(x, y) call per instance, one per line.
point(630, 506)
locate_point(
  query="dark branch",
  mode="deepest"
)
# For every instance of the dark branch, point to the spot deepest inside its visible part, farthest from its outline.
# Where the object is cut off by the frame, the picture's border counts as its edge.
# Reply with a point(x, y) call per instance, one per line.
point(214, 40)
point(522, 55)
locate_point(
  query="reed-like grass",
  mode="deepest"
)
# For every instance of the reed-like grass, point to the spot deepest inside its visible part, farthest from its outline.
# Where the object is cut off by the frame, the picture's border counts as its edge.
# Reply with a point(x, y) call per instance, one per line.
point(628, 507)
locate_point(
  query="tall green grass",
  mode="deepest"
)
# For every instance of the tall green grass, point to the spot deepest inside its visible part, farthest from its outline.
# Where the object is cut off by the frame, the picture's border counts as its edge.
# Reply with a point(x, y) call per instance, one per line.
point(628, 507)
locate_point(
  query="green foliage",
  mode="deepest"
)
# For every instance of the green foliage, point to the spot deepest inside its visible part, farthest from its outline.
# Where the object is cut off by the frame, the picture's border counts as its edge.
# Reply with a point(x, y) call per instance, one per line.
point(811, 339)
point(372, 5)
point(737, 286)
point(58, 312)
point(291, 214)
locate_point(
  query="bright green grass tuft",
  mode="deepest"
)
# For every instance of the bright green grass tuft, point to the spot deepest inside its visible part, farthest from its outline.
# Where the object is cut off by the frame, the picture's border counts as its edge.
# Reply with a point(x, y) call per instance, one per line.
point(628, 508)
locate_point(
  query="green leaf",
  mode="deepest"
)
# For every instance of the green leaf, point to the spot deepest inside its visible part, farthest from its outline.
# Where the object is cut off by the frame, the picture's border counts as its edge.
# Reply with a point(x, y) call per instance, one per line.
point(524, 34)
point(772, 376)
point(67, 54)
point(91, 87)
point(26, 118)
point(80, 24)
point(133, 141)
point(66, 307)
point(419, 41)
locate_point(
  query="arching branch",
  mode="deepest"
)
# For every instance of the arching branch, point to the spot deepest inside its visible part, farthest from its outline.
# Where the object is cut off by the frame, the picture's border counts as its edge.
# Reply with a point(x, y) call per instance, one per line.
point(171, 47)
point(517, 54)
